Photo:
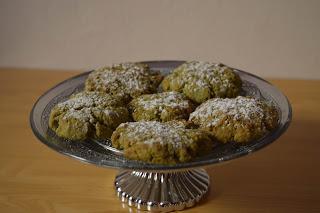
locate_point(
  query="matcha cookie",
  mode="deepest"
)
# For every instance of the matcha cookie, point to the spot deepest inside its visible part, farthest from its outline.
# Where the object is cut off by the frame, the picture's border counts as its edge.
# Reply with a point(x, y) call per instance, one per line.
point(127, 79)
point(87, 114)
point(163, 107)
point(161, 143)
point(241, 119)
point(200, 81)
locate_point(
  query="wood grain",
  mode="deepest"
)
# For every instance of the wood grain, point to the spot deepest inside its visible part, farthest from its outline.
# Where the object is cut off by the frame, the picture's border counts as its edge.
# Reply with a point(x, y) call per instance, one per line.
point(284, 177)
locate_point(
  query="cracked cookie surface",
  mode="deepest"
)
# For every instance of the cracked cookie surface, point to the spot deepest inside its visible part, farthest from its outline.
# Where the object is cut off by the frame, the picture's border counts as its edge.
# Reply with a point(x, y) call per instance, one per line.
point(161, 143)
point(163, 107)
point(88, 114)
point(128, 80)
point(241, 119)
point(200, 81)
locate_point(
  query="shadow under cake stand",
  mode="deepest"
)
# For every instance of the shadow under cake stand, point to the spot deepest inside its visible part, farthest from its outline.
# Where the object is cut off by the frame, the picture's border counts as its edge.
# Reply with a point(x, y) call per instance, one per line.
point(151, 186)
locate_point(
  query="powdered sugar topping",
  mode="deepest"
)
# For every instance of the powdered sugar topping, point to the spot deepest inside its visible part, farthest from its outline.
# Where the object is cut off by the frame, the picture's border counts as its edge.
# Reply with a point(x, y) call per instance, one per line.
point(123, 78)
point(165, 99)
point(152, 132)
point(213, 111)
point(83, 115)
point(82, 100)
point(202, 67)
point(206, 74)
point(82, 105)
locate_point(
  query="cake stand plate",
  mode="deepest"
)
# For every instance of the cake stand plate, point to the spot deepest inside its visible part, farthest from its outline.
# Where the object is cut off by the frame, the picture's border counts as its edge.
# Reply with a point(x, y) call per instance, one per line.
point(149, 186)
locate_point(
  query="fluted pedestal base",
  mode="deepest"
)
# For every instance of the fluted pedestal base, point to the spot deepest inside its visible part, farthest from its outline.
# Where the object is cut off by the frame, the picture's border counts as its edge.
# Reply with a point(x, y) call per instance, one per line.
point(162, 191)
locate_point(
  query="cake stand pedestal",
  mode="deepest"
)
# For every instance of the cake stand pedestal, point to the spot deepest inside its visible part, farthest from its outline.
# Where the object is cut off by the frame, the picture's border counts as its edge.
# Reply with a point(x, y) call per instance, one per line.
point(162, 191)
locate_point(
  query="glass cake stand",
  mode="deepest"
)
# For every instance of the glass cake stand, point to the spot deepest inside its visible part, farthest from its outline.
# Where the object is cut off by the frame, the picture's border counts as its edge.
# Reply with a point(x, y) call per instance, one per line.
point(151, 186)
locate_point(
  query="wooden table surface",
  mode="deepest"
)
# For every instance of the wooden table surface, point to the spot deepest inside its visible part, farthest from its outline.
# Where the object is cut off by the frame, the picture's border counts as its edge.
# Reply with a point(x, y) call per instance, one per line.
point(283, 177)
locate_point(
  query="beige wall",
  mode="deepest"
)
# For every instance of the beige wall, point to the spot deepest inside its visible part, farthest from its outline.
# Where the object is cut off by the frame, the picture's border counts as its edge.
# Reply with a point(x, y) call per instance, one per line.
point(272, 38)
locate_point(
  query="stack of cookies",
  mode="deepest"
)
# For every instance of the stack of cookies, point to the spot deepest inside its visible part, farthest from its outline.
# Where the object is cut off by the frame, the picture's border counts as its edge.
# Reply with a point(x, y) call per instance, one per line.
point(198, 107)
